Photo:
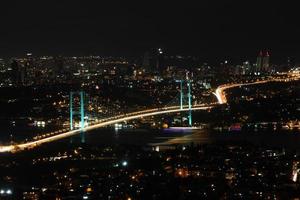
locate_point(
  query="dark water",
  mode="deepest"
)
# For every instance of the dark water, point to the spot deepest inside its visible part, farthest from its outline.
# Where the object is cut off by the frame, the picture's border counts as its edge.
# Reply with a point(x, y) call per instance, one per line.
point(151, 137)
point(288, 139)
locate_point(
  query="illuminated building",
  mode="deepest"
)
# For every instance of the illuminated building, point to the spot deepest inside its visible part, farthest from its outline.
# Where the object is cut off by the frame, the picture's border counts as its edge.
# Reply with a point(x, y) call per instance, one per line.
point(259, 62)
point(266, 62)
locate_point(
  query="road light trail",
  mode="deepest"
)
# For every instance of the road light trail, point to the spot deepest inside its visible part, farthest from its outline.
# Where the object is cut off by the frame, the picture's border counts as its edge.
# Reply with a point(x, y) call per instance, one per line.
point(221, 96)
point(109, 121)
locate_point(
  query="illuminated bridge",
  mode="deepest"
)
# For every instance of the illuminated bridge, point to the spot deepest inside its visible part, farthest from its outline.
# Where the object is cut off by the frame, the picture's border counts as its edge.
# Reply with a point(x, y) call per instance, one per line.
point(220, 94)
point(101, 123)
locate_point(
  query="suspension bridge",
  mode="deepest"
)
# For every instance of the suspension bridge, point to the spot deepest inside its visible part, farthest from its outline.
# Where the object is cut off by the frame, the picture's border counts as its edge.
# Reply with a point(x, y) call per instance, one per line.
point(182, 108)
point(78, 112)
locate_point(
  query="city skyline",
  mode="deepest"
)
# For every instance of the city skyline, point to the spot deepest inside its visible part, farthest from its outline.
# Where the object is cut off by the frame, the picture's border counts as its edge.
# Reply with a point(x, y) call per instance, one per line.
point(149, 100)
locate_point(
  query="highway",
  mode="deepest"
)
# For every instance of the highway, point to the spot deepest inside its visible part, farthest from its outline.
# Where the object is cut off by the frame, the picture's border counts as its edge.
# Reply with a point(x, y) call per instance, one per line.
point(221, 95)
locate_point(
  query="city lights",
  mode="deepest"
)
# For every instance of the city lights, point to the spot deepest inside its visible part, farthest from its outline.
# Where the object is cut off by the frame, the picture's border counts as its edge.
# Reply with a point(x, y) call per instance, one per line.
point(149, 100)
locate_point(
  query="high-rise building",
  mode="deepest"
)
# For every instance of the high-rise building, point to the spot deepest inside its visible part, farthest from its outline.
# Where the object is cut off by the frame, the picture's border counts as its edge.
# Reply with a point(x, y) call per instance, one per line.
point(160, 60)
point(28, 69)
point(246, 68)
point(263, 62)
point(259, 62)
point(290, 64)
point(266, 62)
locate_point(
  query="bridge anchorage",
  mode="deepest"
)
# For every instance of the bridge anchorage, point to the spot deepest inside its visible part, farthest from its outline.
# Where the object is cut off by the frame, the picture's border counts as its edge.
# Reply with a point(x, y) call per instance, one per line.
point(77, 113)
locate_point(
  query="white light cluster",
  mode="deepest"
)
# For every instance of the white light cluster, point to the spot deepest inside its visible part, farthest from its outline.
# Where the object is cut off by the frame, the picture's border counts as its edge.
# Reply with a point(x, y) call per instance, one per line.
point(6, 192)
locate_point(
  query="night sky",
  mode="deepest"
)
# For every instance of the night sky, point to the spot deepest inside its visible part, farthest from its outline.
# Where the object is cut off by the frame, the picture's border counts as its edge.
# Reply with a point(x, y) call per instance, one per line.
point(210, 29)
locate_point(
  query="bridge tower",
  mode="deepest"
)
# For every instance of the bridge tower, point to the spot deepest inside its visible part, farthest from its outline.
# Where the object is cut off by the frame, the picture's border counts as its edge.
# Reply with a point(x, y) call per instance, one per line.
point(190, 102)
point(189, 98)
point(76, 112)
point(181, 94)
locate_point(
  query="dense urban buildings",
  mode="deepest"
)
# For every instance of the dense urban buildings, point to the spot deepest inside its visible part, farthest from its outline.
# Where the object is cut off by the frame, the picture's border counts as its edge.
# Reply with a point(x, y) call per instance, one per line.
point(125, 100)
point(190, 154)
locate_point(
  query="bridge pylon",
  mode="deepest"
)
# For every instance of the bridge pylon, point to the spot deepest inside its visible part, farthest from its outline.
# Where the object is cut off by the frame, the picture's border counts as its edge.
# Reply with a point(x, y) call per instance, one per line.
point(187, 96)
point(190, 102)
point(77, 112)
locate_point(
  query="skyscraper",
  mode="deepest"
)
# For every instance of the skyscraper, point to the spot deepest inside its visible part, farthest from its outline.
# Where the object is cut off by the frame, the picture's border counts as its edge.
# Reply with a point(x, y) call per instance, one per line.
point(259, 62)
point(159, 60)
point(28, 69)
point(263, 62)
point(266, 62)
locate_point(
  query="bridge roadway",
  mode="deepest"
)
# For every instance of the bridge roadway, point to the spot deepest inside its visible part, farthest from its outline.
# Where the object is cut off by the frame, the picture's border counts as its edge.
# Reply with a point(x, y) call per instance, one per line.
point(102, 123)
point(220, 94)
